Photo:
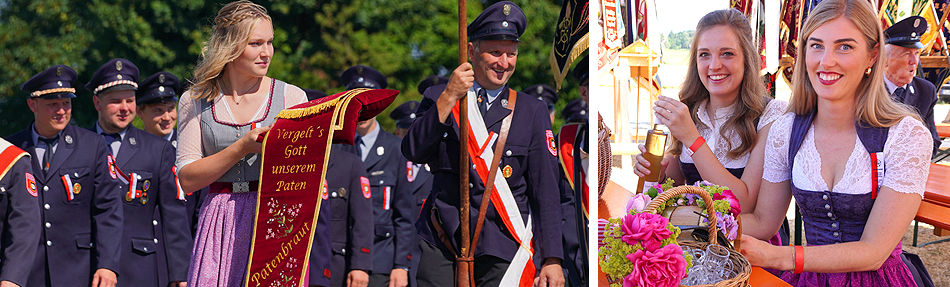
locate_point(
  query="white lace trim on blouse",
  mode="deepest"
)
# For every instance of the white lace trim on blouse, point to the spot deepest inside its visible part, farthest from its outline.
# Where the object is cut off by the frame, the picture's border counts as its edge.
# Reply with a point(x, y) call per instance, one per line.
point(189, 121)
point(720, 147)
point(906, 159)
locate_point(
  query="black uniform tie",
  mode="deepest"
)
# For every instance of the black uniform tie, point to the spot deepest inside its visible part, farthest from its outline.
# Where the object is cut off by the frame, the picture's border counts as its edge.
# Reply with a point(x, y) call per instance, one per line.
point(482, 101)
point(48, 156)
point(111, 138)
point(899, 95)
point(358, 142)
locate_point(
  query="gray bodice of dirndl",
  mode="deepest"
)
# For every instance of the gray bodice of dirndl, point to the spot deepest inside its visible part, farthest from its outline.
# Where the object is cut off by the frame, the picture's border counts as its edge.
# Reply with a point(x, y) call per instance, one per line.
point(216, 136)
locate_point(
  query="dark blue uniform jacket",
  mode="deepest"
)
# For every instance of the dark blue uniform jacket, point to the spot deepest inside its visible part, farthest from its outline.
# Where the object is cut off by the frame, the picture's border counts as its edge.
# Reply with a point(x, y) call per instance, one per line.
point(533, 180)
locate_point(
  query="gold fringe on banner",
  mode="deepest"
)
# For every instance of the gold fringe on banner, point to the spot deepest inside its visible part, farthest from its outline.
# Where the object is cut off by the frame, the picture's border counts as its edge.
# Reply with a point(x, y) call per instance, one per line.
point(318, 108)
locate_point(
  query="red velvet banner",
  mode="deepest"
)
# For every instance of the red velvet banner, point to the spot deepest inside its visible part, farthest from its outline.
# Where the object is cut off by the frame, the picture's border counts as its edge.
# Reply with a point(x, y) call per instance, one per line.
point(294, 165)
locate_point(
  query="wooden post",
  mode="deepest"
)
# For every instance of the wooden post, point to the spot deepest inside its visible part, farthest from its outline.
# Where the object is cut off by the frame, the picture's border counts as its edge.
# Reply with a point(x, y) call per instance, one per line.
point(464, 267)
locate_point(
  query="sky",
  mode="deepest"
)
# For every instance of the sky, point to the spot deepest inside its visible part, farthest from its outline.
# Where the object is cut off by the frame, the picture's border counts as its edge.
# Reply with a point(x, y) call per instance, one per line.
point(682, 15)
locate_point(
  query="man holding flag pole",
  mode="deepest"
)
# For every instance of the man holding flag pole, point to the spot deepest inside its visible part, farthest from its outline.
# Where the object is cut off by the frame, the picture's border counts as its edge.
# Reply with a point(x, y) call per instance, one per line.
point(516, 172)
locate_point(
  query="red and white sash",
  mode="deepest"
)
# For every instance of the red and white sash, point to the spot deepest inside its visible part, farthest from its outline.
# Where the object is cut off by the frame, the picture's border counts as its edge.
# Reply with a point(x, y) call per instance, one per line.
point(521, 270)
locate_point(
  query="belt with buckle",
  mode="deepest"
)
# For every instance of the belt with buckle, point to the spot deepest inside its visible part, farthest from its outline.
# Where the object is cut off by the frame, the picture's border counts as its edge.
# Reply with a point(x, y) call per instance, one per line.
point(234, 187)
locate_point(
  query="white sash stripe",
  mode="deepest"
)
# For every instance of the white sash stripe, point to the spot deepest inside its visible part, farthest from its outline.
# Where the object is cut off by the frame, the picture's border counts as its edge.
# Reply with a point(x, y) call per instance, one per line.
point(522, 231)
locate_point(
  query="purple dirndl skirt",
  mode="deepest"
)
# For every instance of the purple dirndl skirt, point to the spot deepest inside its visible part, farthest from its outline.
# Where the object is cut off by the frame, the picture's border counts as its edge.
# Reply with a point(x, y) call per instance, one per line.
point(892, 273)
point(223, 240)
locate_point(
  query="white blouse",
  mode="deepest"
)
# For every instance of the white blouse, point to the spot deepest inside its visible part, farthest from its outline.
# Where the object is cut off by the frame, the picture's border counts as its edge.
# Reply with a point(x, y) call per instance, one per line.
point(189, 120)
point(906, 160)
point(720, 147)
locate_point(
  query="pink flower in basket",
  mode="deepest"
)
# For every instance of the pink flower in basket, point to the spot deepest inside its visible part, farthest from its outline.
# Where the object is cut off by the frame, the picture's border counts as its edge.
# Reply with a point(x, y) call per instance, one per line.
point(664, 267)
point(727, 195)
point(638, 202)
point(645, 228)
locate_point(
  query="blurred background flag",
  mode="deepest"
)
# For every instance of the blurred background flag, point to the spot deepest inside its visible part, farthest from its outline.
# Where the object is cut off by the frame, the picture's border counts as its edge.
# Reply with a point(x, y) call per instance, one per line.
point(570, 37)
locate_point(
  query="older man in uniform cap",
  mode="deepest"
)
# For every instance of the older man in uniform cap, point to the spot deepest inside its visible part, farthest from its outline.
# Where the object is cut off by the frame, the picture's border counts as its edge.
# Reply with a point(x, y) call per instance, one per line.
point(20, 227)
point(153, 254)
point(379, 151)
point(902, 55)
point(529, 179)
point(545, 93)
point(156, 103)
point(79, 196)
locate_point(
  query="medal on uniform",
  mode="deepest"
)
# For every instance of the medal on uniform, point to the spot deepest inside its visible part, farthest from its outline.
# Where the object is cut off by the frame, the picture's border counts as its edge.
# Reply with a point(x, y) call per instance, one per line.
point(145, 185)
point(76, 188)
point(552, 147)
point(144, 199)
point(409, 171)
point(506, 171)
point(132, 141)
point(111, 162)
point(69, 139)
point(380, 151)
point(341, 192)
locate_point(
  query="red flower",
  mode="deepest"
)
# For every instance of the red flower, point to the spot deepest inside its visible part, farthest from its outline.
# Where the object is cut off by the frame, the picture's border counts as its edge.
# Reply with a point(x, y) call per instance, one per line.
point(664, 267)
point(734, 206)
point(645, 228)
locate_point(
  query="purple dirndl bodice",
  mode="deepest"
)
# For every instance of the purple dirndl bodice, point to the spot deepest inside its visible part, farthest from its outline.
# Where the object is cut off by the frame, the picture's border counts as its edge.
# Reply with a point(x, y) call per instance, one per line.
point(831, 218)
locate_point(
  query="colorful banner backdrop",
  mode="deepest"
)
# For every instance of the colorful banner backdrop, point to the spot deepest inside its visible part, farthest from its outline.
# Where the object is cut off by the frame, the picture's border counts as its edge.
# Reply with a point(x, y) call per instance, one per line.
point(788, 33)
point(611, 25)
point(294, 157)
point(570, 37)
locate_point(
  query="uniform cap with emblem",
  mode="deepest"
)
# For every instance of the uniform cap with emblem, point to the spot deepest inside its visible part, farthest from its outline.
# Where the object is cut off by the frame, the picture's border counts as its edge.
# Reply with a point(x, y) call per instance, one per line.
point(158, 88)
point(431, 81)
point(405, 114)
point(314, 94)
point(360, 76)
point(575, 111)
point(114, 75)
point(543, 92)
point(53, 83)
point(500, 21)
point(907, 32)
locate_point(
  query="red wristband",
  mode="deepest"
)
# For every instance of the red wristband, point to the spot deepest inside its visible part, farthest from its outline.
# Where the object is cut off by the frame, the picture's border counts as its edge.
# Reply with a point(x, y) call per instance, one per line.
point(799, 259)
point(696, 144)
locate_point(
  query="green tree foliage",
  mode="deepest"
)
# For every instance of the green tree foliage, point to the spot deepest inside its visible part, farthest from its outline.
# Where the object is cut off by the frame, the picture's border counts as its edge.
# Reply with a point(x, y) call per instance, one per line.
point(314, 42)
point(678, 40)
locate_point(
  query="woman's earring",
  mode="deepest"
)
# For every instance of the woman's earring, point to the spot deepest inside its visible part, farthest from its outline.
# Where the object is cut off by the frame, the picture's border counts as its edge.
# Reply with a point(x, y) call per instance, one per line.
point(867, 72)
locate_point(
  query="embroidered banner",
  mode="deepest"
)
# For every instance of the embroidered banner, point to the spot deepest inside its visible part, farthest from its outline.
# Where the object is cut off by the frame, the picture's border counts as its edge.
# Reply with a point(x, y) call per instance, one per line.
point(294, 158)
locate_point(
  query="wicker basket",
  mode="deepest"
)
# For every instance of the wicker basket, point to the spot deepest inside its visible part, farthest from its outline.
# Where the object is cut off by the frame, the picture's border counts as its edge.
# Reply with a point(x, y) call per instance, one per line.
point(740, 265)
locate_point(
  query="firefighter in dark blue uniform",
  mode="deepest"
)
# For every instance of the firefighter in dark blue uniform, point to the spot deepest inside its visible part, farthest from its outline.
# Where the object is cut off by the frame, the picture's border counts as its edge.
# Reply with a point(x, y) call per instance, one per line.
point(418, 175)
point(156, 103)
point(572, 168)
point(351, 223)
point(386, 167)
point(526, 162)
point(545, 93)
point(80, 198)
point(342, 241)
point(901, 58)
point(20, 227)
point(153, 254)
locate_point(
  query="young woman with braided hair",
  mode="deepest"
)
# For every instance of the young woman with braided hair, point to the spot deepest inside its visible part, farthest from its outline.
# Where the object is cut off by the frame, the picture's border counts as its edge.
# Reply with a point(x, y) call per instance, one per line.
point(231, 102)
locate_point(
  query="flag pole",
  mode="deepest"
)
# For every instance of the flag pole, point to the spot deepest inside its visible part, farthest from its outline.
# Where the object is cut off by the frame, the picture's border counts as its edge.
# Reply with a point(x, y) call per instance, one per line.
point(464, 263)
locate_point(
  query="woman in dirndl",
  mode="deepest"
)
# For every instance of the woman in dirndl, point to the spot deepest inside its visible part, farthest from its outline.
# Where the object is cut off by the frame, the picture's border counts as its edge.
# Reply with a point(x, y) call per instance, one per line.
point(855, 161)
point(231, 102)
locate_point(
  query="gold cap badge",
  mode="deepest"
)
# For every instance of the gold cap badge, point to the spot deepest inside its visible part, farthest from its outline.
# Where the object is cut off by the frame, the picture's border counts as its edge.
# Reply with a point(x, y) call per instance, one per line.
point(118, 65)
point(161, 78)
point(507, 9)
